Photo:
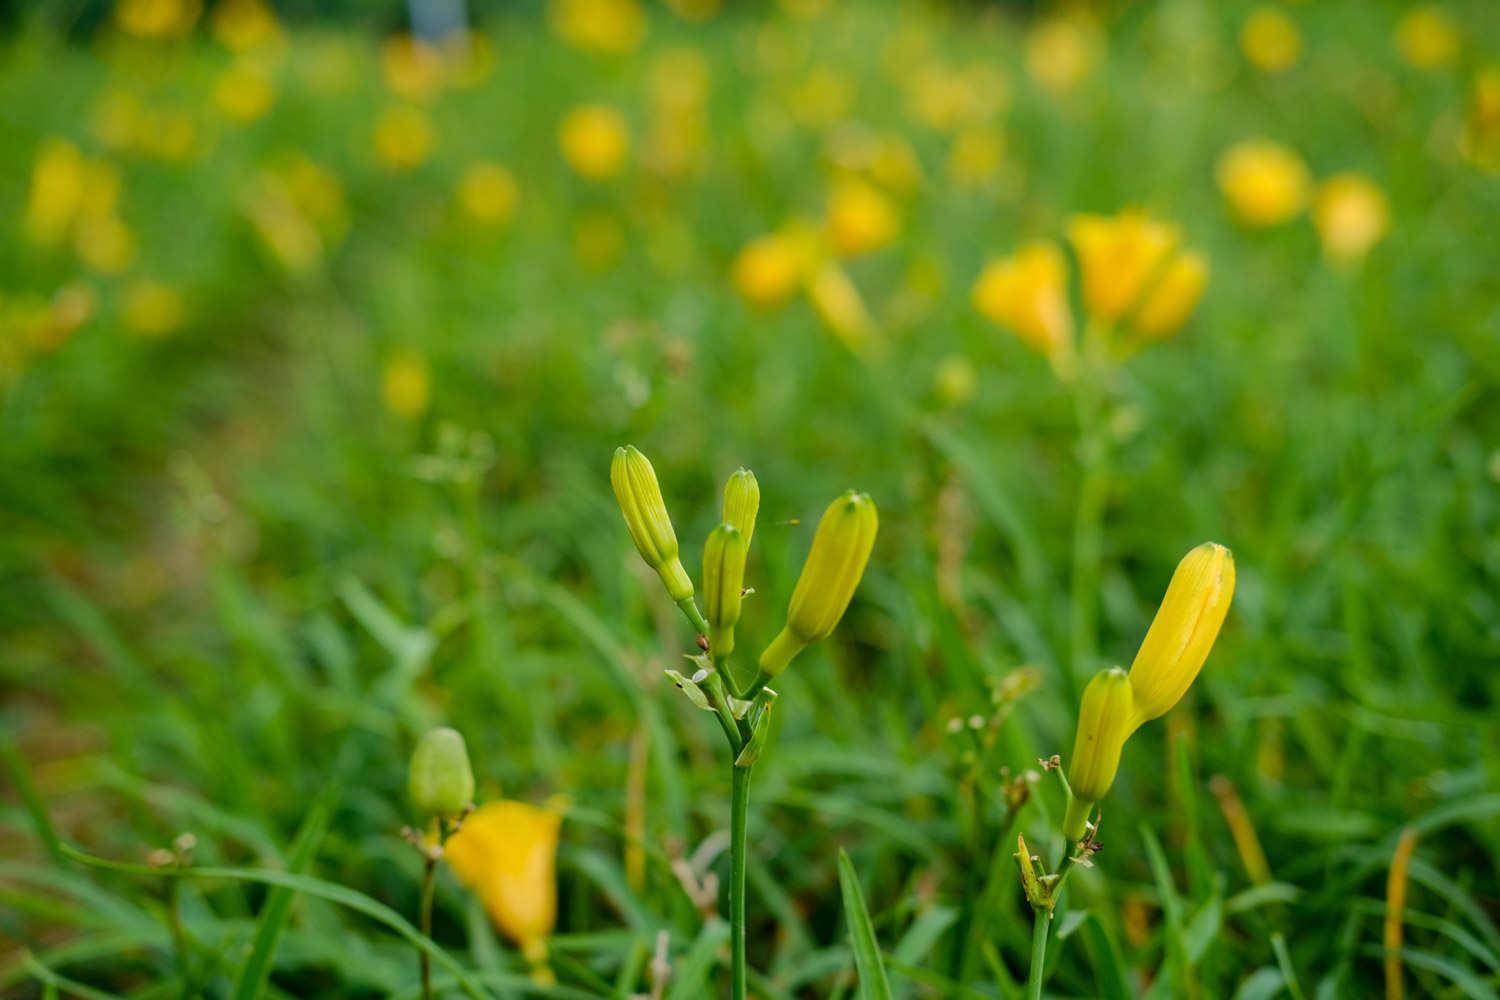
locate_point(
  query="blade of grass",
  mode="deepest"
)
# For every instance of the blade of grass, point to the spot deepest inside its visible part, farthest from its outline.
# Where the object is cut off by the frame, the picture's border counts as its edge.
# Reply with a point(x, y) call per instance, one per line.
point(873, 984)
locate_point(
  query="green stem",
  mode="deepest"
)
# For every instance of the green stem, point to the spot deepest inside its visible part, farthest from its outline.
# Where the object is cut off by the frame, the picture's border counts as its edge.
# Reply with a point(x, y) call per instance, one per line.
point(689, 606)
point(739, 809)
point(761, 680)
point(1041, 926)
point(429, 882)
point(179, 937)
point(1093, 457)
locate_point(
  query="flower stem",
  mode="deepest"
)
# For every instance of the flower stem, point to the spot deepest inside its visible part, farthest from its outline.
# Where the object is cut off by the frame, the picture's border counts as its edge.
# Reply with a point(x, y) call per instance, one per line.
point(739, 809)
point(1040, 928)
point(429, 882)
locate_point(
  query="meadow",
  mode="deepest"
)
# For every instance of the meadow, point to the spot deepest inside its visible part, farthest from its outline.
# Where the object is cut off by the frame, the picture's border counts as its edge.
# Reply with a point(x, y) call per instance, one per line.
point(318, 335)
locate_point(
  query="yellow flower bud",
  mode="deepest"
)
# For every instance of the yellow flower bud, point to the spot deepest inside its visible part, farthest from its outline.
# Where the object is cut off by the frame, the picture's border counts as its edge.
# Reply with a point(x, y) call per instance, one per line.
point(1118, 255)
point(742, 503)
point(506, 853)
point(639, 496)
point(1104, 724)
point(723, 585)
point(1027, 293)
point(1264, 182)
point(1173, 298)
point(840, 549)
point(440, 781)
point(595, 142)
point(1183, 631)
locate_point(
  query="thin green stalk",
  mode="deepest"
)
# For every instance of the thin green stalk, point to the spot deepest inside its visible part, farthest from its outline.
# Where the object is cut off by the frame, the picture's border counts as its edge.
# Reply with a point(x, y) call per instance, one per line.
point(1093, 456)
point(739, 809)
point(1041, 926)
point(761, 680)
point(689, 606)
point(179, 937)
point(429, 883)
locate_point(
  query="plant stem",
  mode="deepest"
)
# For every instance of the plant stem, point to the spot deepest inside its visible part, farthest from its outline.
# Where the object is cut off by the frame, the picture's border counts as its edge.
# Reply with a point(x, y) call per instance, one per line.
point(429, 881)
point(1040, 928)
point(689, 606)
point(739, 809)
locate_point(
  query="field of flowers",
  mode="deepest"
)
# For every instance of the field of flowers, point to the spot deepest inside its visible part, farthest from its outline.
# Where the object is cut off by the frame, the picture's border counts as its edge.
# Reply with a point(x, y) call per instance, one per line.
point(1152, 334)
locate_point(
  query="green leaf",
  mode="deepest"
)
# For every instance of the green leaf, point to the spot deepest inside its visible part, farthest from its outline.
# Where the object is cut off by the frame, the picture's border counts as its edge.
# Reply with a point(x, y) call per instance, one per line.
point(1109, 968)
point(690, 972)
point(873, 984)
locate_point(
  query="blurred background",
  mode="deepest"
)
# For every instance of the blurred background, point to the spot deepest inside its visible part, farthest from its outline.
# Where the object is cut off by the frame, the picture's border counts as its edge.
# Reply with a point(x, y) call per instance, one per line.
point(319, 323)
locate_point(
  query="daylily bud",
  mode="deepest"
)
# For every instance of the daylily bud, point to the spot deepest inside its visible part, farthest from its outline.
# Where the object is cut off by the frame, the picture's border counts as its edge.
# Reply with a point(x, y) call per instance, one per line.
point(723, 584)
point(646, 516)
point(840, 549)
point(1104, 723)
point(742, 503)
point(1184, 630)
point(440, 781)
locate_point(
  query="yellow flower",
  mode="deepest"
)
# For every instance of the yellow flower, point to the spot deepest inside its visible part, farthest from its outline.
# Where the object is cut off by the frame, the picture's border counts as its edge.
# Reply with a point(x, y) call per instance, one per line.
point(1427, 37)
point(284, 230)
point(1061, 52)
point(487, 193)
point(840, 551)
point(723, 586)
point(152, 309)
point(1172, 298)
point(58, 178)
point(771, 268)
point(1351, 214)
point(1266, 183)
point(838, 303)
point(1118, 255)
point(594, 141)
point(243, 92)
point(413, 69)
point(976, 156)
point(1183, 632)
point(861, 218)
point(1027, 293)
point(1105, 719)
point(242, 25)
point(609, 26)
point(105, 243)
point(639, 496)
point(506, 852)
point(403, 138)
point(156, 18)
point(1270, 40)
point(406, 386)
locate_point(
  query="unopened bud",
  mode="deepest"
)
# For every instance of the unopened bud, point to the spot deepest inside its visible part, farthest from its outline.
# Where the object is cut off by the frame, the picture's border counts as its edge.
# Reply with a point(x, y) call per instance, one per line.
point(742, 503)
point(723, 584)
point(1183, 632)
point(441, 782)
point(1104, 724)
point(639, 496)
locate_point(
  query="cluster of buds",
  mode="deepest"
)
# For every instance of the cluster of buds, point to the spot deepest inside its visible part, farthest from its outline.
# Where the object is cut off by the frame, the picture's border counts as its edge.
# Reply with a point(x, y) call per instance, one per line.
point(1116, 703)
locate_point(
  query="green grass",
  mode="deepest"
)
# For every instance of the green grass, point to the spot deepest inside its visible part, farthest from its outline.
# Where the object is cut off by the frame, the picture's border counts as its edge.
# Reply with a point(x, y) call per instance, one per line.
point(233, 579)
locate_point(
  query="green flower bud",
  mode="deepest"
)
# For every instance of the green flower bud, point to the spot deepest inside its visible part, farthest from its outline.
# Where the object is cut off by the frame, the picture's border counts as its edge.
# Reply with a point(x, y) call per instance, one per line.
point(440, 782)
point(645, 512)
point(840, 549)
point(742, 503)
point(723, 586)
point(1105, 722)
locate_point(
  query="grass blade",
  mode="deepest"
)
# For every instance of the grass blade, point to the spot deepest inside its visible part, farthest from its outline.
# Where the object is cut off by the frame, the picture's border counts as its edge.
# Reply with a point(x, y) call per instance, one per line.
point(873, 984)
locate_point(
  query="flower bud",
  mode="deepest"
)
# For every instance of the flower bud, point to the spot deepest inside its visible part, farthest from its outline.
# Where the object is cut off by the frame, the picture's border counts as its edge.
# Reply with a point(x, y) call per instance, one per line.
point(1184, 630)
point(742, 503)
point(440, 781)
point(645, 512)
point(723, 585)
point(840, 549)
point(1104, 723)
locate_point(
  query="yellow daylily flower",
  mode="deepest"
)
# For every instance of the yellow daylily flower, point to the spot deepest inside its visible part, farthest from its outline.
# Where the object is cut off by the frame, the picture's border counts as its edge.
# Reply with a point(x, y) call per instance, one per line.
point(1265, 182)
point(1118, 255)
point(1027, 293)
point(1351, 214)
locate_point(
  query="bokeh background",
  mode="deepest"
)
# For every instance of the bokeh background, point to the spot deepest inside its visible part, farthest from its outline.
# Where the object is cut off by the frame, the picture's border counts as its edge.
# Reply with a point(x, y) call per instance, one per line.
point(319, 324)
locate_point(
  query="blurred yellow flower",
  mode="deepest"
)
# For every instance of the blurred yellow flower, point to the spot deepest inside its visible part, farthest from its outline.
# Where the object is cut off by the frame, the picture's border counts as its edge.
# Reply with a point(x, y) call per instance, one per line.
point(413, 69)
point(242, 25)
point(771, 268)
point(296, 217)
point(610, 26)
point(243, 92)
point(821, 98)
point(1265, 182)
point(839, 305)
point(594, 141)
point(678, 79)
point(1427, 37)
point(1118, 255)
point(487, 193)
point(944, 99)
point(151, 309)
point(1270, 40)
point(406, 386)
point(403, 137)
point(1061, 52)
point(156, 18)
point(105, 243)
point(976, 155)
point(955, 380)
point(506, 852)
point(56, 193)
point(1481, 137)
point(860, 218)
point(1351, 214)
point(1027, 293)
point(1172, 298)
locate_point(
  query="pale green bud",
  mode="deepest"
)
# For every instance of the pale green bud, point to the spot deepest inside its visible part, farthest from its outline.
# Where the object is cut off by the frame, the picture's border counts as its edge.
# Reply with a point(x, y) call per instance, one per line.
point(840, 550)
point(742, 503)
point(440, 781)
point(723, 586)
point(639, 496)
point(1105, 722)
